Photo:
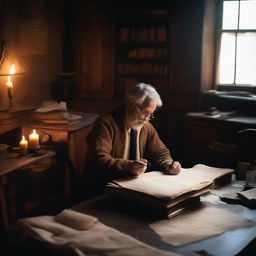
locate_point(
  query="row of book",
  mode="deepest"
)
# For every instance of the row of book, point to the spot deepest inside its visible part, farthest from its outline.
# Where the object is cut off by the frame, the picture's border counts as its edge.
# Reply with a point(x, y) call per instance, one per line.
point(148, 53)
point(143, 34)
point(168, 195)
point(142, 68)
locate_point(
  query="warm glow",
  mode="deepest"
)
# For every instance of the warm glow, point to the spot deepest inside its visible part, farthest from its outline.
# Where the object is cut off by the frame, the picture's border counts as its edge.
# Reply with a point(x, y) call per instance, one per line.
point(23, 146)
point(9, 82)
point(33, 140)
point(12, 69)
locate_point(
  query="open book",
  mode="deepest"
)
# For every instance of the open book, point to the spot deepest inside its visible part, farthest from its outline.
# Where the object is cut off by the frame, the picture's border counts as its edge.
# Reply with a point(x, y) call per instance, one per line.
point(248, 197)
point(163, 192)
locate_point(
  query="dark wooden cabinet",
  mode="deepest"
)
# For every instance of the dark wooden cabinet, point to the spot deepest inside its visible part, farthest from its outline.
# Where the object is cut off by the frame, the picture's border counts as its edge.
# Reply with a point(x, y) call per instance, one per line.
point(217, 141)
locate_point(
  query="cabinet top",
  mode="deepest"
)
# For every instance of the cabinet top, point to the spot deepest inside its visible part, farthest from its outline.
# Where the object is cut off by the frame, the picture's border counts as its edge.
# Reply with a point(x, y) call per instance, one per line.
point(64, 125)
point(231, 116)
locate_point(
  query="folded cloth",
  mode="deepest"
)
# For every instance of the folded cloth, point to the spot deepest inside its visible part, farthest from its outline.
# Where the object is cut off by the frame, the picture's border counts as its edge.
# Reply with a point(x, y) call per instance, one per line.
point(75, 219)
point(98, 240)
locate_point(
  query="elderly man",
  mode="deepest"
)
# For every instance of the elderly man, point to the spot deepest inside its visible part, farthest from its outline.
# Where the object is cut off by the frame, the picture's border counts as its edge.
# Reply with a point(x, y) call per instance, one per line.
point(124, 143)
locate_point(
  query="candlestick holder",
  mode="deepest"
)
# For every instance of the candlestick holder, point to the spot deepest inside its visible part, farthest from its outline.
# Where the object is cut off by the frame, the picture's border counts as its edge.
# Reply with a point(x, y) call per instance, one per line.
point(10, 96)
point(23, 152)
point(33, 150)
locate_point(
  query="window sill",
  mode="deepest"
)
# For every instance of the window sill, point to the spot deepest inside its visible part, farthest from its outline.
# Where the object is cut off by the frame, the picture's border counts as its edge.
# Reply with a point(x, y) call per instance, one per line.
point(240, 88)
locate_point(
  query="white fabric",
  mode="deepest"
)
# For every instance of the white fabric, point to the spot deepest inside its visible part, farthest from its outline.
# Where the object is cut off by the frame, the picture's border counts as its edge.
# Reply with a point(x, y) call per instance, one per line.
point(99, 239)
point(75, 219)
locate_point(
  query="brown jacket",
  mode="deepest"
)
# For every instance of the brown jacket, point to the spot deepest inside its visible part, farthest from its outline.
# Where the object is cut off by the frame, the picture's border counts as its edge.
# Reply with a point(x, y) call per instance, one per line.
point(106, 145)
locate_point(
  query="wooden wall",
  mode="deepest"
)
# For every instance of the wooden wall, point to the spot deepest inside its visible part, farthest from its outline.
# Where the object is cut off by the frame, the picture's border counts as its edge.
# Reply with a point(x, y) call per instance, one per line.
point(67, 43)
point(33, 31)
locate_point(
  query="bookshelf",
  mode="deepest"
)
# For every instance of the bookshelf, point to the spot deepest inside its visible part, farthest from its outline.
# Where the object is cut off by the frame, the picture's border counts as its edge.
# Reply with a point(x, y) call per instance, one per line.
point(142, 49)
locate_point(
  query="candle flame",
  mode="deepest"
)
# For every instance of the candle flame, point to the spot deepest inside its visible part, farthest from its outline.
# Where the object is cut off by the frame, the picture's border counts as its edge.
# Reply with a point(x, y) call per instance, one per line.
point(34, 131)
point(23, 137)
point(12, 69)
point(9, 82)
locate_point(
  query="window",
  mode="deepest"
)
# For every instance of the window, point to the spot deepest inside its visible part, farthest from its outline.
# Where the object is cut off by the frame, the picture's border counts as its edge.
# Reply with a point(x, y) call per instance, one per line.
point(237, 43)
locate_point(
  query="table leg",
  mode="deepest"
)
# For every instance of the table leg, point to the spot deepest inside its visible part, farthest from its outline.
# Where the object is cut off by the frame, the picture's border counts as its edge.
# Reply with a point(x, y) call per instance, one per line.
point(3, 206)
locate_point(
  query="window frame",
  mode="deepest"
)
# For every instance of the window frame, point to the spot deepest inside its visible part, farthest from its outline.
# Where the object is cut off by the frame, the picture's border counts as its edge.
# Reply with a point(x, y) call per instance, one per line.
point(219, 31)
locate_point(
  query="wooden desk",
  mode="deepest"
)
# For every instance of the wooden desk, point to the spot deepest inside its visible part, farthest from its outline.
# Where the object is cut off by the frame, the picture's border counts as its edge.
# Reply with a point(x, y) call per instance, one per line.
point(9, 165)
point(69, 141)
point(138, 226)
point(72, 135)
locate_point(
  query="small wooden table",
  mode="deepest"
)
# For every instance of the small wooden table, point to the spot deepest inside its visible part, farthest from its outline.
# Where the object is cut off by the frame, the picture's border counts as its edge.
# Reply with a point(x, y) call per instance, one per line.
point(10, 163)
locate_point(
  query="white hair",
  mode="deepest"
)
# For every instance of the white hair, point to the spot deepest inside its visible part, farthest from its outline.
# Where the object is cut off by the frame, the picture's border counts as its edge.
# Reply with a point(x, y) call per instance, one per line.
point(143, 92)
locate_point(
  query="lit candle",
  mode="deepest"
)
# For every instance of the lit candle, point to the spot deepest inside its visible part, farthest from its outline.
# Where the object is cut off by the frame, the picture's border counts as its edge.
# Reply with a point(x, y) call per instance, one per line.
point(23, 146)
point(33, 140)
point(9, 87)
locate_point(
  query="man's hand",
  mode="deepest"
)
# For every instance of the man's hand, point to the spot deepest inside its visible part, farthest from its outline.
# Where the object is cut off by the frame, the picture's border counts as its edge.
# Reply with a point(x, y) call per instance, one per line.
point(138, 167)
point(174, 168)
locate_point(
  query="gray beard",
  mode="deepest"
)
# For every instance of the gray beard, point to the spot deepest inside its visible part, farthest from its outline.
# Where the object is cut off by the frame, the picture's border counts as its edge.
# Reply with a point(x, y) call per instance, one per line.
point(135, 122)
point(138, 123)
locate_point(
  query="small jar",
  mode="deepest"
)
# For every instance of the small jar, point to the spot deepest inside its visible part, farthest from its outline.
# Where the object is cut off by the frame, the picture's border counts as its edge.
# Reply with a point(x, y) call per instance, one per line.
point(251, 176)
point(241, 170)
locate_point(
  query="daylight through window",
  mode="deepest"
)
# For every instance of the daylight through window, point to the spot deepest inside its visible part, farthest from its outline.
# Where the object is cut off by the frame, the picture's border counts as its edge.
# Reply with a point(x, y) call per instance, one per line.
point(237, 56)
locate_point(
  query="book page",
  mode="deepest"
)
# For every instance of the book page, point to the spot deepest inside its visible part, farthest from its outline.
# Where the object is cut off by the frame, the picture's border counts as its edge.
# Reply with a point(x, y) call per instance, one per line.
point(167, 186)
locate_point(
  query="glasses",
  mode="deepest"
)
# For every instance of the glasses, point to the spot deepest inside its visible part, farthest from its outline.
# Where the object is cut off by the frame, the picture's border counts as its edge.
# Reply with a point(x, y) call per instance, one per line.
point(145, 113)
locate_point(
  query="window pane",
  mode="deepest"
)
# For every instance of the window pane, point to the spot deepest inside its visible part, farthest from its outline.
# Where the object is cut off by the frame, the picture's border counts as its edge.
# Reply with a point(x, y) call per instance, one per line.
point(230, 15)
point(247, 15)
point(227, 59)
point(246, 56)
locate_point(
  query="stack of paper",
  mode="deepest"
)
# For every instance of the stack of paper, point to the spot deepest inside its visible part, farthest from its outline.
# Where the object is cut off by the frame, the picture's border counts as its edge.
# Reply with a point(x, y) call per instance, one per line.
point(52, 112)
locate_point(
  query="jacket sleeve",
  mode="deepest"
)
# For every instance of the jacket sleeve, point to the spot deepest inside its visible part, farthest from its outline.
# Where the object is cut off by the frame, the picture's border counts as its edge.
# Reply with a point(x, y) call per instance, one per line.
point(155, 149)
point(100, 144)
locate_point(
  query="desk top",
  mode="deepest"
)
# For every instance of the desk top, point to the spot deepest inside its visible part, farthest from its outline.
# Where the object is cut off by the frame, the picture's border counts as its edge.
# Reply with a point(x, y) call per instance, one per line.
point(140, 226)
point(14, 162)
